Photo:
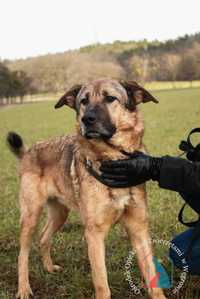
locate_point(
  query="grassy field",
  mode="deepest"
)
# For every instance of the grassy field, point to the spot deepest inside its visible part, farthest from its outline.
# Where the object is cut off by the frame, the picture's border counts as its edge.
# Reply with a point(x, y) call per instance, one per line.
point(165, 85)
point(166, 124)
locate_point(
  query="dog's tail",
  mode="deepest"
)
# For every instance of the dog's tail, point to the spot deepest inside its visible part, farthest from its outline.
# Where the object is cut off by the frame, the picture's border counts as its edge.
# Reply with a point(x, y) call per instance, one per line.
point(15, 144)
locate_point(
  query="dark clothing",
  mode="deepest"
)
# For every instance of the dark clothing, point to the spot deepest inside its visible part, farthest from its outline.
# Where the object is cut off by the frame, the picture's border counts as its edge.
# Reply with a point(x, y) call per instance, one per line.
point(182, 242)
point(182, 176)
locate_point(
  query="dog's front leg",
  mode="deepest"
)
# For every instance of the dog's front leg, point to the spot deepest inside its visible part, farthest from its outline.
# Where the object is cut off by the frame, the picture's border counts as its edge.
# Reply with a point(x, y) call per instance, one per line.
point(95, 236)
point(135, 219)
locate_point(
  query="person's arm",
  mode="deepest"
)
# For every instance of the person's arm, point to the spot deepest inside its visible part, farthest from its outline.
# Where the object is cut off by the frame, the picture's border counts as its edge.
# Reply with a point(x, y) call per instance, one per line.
point(179, 175)
point(171, 173)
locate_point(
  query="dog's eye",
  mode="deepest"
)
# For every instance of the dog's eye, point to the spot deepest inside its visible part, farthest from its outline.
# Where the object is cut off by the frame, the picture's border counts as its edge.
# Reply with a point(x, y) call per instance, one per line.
point(110, 99)
point(84, 101)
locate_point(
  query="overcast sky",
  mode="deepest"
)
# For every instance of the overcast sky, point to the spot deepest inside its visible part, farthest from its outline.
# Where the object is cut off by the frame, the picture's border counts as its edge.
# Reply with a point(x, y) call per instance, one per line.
point(33, 27)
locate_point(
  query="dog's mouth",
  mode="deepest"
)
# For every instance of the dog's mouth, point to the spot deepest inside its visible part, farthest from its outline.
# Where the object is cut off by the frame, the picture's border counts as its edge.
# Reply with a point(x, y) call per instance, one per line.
point(95, 134)
point(92, 134)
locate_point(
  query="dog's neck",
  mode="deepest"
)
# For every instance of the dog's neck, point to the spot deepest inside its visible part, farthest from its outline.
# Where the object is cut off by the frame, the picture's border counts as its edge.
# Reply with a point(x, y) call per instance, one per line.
point(127, 139)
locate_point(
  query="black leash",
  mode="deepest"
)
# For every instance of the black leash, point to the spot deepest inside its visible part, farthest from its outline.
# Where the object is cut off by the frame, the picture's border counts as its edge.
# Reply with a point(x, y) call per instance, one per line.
point(180, 218)
point(192, 152)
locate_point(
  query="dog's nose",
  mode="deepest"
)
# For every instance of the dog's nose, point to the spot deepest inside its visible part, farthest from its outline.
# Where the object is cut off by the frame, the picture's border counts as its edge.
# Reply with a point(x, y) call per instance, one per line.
point(89, 118)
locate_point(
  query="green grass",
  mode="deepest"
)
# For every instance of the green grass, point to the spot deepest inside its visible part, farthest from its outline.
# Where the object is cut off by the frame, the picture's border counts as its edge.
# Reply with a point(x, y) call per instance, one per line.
point(165, 85)
point(166, 124)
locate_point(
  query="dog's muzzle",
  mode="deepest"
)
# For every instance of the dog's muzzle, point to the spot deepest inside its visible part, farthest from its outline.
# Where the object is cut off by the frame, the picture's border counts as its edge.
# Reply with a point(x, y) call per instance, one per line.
point(95, 126)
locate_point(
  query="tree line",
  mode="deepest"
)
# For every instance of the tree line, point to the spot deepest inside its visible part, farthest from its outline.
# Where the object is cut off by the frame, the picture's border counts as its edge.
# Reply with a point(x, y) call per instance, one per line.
point(14, 85)
point(144, 61)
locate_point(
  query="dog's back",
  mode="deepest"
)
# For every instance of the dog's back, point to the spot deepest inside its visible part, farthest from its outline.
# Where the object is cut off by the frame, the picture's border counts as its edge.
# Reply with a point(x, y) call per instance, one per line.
point(53, 153)
point(47, 165)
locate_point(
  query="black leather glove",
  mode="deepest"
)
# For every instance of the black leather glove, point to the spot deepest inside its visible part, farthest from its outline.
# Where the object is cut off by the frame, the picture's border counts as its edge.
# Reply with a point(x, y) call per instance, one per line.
point(135, 170)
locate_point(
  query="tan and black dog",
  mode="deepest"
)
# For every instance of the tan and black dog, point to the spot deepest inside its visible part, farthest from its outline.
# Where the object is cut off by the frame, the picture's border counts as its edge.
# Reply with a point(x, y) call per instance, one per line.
point(54, 173)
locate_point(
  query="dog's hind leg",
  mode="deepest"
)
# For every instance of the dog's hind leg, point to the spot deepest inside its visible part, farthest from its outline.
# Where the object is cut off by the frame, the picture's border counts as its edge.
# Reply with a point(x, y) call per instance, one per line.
point(57, 215)
point(31, 206)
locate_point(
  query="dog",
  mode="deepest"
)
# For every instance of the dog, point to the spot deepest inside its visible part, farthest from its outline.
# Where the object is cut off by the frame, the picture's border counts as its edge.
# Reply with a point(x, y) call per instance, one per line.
point(54, 174)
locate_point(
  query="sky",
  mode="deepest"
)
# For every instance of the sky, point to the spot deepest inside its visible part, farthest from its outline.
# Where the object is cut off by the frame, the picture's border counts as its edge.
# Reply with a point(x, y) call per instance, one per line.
point(35, 27)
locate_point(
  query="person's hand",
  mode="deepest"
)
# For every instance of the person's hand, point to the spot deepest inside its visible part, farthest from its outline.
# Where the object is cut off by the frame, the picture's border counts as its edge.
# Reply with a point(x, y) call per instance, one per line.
point(136, 170)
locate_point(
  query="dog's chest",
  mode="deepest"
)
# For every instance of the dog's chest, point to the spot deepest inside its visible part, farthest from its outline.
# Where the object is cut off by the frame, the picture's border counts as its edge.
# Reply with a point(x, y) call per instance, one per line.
point(87, 189)
point(120, 198)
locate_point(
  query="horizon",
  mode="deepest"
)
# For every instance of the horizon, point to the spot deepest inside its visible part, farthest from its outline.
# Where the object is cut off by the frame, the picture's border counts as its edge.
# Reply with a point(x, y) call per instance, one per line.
point(34, 28)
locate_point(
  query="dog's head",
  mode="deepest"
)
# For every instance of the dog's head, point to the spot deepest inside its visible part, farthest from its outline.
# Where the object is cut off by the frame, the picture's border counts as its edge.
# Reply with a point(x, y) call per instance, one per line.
point(102, 104)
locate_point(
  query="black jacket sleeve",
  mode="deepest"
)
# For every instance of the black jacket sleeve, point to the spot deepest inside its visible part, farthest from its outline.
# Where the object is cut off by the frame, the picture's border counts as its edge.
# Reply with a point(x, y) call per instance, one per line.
point(180, 175)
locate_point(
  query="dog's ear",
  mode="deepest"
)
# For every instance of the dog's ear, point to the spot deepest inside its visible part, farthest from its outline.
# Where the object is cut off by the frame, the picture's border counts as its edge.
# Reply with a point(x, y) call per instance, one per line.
point(136, 94)
point(69, 97)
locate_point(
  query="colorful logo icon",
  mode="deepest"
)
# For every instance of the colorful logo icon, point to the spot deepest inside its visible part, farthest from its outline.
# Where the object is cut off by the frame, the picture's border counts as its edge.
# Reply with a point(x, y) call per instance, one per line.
point(162, 279)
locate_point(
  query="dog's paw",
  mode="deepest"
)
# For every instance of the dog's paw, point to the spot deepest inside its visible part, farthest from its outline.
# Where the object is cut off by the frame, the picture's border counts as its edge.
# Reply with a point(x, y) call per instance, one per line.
point(24, 292)
point(57, 268)
point(157, 294)
point(54, 268)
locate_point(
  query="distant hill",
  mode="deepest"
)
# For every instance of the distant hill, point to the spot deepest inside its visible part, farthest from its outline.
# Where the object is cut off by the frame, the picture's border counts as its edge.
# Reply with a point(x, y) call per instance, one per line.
point(144, 61)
